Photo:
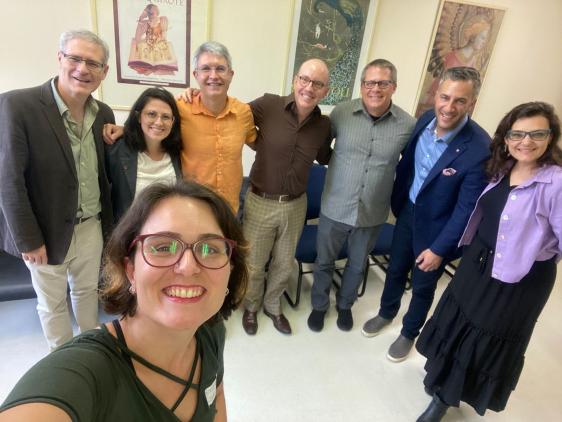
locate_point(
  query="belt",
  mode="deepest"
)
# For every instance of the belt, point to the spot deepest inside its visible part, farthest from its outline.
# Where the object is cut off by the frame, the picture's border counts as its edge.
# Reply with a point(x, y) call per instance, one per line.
point(278, 198)
point(80, 220)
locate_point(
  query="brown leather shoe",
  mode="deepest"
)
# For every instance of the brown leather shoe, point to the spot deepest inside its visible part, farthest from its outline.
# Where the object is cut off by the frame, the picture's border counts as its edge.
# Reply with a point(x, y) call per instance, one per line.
point(279, 322)
point(250, 322)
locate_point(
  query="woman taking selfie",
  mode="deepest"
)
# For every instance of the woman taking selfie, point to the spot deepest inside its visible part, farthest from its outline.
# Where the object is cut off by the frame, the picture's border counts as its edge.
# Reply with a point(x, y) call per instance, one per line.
point(174, 268)
point(476, 340)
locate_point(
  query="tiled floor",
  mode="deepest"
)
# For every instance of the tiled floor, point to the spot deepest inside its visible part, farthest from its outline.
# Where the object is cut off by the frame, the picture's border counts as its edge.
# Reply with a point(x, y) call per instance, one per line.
point(327, 376)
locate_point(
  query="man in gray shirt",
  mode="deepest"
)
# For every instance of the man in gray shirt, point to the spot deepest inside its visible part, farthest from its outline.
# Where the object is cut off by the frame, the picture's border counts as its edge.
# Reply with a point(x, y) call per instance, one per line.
point(370, 134)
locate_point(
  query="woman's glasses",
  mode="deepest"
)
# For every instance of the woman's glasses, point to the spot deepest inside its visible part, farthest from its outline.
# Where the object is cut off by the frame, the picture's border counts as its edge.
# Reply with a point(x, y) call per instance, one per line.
point(535, 135)
point(163, 250)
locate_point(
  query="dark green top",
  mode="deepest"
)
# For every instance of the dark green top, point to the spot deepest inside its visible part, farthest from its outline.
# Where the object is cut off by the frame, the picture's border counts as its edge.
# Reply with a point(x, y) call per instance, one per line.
point(91, 380)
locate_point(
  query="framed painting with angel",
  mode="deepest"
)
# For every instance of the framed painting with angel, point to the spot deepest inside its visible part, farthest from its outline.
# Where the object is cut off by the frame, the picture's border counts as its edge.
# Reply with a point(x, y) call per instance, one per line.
point(465, 35)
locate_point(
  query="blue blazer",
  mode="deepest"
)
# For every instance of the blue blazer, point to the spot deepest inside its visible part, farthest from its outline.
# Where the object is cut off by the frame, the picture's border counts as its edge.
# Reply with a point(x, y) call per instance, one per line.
point(122, 173)
point(444, 202)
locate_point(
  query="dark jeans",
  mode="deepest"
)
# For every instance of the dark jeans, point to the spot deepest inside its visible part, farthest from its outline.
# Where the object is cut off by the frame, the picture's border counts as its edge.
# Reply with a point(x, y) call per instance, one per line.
point(402, 261)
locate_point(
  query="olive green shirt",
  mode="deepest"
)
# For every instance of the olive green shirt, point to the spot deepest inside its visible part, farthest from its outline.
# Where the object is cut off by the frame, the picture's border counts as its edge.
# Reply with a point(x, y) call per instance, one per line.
point(91, 380)
point(84, 152)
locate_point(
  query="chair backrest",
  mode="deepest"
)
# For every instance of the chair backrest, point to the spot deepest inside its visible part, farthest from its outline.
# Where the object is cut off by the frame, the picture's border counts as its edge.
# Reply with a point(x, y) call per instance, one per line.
point(314, 190)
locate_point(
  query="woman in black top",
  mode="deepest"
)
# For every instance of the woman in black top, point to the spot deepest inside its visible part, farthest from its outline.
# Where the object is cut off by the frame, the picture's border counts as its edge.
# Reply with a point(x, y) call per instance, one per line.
point(149, 150)
point(475, 342)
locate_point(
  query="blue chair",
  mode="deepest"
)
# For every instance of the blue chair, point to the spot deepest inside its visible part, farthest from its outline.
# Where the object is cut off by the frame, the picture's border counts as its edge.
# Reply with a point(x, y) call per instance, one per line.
point(380, 255)
point(306, 248)
point(15, 280)
point(381, 251)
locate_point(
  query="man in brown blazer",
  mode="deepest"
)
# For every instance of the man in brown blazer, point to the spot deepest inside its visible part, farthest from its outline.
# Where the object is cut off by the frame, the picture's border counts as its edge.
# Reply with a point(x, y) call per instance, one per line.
point(54, 194)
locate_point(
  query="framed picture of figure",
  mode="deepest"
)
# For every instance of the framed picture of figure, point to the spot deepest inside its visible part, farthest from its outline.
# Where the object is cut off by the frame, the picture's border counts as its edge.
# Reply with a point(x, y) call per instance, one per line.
point(338, 32)
point(150, 44)
point(464, 35)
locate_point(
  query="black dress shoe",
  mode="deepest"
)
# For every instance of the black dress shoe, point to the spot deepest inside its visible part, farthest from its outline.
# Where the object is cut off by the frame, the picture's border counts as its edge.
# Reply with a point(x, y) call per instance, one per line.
point(279, 322)
point(316, 320)
point(345, 319)
point(434, 412)
point(250, 322)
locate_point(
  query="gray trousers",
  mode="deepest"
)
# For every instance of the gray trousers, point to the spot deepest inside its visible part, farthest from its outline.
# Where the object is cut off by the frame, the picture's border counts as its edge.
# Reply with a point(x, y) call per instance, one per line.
point(332, 236)
point(273, 230)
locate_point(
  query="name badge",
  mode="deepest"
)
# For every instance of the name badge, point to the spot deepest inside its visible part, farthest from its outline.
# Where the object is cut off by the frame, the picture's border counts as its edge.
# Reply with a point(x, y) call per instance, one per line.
point(211, 392)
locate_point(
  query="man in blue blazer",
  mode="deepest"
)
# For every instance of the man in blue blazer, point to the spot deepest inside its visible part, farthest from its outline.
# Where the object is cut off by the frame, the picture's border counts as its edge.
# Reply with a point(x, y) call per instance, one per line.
point(438, 180)
point(54, 194)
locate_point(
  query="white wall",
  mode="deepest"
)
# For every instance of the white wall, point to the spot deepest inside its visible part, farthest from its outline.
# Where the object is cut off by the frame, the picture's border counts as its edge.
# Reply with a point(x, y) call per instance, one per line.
point(526, 63)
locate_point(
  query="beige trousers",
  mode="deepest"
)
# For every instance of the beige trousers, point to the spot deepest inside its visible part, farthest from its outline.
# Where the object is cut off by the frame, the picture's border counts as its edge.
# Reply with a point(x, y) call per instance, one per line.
point(80, 270)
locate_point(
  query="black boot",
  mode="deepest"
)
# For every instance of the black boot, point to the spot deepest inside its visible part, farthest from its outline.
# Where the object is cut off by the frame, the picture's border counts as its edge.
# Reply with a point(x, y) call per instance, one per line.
point(434, 412)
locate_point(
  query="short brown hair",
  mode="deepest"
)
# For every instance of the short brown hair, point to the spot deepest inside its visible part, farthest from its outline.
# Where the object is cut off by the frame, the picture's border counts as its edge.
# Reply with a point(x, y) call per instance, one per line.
point(500, 162)
point(115, 293)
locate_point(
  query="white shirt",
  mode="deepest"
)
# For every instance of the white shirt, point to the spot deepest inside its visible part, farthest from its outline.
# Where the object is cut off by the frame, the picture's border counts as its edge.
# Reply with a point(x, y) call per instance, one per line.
point(150, 171)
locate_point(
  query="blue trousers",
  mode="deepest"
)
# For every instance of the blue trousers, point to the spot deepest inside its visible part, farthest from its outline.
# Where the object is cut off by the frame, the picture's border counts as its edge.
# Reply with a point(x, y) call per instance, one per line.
point(402, 261)
point(331, 238)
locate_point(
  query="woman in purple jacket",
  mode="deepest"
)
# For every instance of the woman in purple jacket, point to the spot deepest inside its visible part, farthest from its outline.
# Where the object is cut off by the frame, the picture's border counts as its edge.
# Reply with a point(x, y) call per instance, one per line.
point(476, 340)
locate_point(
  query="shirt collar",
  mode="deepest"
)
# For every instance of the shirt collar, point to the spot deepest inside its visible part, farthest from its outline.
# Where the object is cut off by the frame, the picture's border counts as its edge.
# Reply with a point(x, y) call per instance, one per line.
point(544, 174)
point(290, 105)
point(360, 107)
point(449, 136)
point(61, 105)
point(199, 108)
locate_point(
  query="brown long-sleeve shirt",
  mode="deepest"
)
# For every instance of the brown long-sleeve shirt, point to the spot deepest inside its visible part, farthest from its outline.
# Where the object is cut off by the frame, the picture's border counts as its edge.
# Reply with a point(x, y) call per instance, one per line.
point(285, 149)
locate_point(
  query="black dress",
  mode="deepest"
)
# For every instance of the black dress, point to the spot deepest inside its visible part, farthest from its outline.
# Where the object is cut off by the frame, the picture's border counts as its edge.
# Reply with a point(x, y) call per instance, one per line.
point(475, 341)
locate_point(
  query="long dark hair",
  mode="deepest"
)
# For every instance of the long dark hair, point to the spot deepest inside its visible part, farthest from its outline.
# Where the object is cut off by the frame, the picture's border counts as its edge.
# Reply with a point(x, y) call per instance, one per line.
point(132, 132)
point(500, 162)
point(116, 297)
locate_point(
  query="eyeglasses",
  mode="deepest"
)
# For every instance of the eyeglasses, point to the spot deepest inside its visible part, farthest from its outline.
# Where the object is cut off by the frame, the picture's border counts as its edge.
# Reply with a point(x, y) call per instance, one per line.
point(220, 69)
point(535, 135)
point(90, 64)
point(152, 116)
point(384, 84)
point(163, 250)
point(305, 80)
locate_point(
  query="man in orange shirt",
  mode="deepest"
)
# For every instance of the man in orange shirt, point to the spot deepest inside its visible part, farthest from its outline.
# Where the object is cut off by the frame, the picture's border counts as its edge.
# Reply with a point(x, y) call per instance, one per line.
point(214, 127)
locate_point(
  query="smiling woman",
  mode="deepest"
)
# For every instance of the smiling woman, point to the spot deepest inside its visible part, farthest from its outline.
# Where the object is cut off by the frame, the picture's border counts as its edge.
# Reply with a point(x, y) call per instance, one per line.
point(149, 151)
point(476, 340)
point(174, 268)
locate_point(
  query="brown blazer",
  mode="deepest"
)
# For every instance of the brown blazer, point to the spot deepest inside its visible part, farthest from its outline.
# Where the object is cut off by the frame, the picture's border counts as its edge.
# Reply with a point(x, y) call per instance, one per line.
point(38, 182)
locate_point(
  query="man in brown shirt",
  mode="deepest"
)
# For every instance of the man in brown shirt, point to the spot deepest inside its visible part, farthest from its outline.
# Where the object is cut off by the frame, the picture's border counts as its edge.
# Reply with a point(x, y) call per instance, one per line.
point(292, 134)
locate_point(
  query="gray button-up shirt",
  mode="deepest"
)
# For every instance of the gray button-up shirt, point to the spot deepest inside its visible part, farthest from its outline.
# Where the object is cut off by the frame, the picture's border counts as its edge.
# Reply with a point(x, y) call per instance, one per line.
point(361, 170)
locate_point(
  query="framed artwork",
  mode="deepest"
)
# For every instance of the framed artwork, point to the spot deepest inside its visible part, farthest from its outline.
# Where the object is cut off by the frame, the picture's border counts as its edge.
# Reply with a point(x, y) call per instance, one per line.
point(464, 35)
point(150, 44)
point(338, 32)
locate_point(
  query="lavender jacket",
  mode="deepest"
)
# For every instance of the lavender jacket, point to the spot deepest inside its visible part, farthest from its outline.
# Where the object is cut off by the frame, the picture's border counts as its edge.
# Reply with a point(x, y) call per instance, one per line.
point(530, 227)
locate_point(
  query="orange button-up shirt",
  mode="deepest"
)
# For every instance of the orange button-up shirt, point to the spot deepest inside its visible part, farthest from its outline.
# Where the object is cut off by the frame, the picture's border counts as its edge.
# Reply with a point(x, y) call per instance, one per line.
point(212, 145)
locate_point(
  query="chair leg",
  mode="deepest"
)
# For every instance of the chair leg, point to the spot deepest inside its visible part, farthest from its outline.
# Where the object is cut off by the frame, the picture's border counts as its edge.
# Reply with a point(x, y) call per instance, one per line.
point(295, 303)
